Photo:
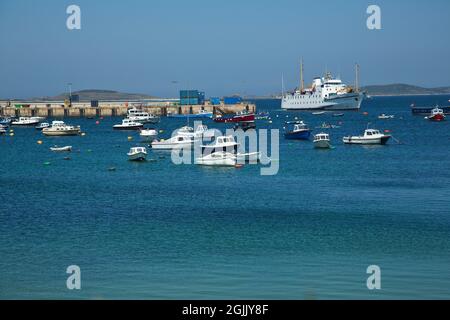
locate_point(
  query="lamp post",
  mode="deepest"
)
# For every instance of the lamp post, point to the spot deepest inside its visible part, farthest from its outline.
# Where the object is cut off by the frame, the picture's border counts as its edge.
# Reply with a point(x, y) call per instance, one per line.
point(70, 93)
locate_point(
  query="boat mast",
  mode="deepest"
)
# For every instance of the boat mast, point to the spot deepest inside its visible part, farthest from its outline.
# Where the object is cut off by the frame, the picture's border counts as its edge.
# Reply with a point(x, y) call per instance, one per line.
point(357, 78)
point(302, 82)
point(282, 85)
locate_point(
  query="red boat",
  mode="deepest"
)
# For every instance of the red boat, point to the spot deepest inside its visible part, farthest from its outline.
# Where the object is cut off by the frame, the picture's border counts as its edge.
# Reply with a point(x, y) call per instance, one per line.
point(437, 115)
point(239, 117)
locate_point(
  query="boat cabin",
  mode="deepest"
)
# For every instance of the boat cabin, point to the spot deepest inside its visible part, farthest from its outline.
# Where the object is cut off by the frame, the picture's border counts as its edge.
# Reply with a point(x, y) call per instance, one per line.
point(322, 136)
point(372, 132)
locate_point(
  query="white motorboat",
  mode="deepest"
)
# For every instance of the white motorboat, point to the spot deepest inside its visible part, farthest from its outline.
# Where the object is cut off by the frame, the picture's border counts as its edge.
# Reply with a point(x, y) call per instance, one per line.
point(219, 158)
point(322, 141)
point(199, 132)
point(42, 126)
point(178, 141)
point(128, 124)
point(141, 116)
point(137, 154)
point(61, 149)
point(227, 144)
point(3, 129)
point(25, 121)
point(318, 113)
point(59, 128)
point(148, 135)
point(371, 136)
point(385, 116)
point(223, 143)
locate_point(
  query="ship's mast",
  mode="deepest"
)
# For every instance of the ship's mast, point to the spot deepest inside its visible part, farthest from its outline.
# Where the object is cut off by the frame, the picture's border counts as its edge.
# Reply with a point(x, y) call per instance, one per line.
point(357, 78)
point(302, 82)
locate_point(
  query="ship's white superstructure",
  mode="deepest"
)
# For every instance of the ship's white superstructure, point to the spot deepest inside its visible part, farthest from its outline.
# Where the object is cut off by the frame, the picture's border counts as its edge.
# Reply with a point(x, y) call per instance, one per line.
point(326, 93)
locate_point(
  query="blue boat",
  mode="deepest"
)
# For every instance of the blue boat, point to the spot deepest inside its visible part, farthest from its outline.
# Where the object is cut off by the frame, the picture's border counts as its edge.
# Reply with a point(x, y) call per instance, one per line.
point(300, 131)
point(201, 114)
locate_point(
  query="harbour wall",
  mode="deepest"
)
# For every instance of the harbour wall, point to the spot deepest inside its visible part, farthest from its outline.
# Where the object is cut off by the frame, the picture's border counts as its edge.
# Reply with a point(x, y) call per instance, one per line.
point(58, 109)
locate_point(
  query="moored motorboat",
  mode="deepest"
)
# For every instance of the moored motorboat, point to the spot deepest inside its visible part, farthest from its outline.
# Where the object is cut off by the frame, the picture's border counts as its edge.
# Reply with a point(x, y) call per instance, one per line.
point(371, 136)
point(128, 124)
point(322, 141)
point(3, 129)
point(137, 154)
point(148, 135)
point(177, 141)
point(25, 121)
point(199, 132)
point(300, 132)
point(219, 158)
point(338, 115)
point(326, 125)
point(140, 116)
point(242, 116)
point(42, 126)
point(59, 128)
point(318, 113)
point(437, 115)
point(61, 149)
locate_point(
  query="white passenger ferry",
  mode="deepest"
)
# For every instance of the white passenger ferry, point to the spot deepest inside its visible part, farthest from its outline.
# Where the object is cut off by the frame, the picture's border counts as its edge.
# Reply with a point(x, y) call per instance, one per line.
point(326, 93)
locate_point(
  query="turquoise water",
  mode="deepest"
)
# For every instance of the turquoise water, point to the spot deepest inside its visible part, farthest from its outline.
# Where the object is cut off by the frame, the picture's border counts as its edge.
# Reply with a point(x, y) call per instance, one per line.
point(159, 231)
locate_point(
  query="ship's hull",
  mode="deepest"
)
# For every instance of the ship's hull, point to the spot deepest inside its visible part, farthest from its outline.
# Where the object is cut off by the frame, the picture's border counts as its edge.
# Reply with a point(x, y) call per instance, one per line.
point(298, 135)
point(344, 102)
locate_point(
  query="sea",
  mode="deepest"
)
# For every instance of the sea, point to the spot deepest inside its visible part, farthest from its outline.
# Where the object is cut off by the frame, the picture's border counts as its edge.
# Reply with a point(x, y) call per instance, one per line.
point(157, 230)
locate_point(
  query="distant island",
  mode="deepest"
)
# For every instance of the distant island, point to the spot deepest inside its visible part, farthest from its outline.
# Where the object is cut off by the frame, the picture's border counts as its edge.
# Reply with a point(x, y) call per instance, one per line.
point(401, 89)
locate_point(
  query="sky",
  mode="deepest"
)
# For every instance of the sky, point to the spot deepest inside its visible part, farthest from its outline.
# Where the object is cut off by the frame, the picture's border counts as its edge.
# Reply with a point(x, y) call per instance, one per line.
point(222, 47)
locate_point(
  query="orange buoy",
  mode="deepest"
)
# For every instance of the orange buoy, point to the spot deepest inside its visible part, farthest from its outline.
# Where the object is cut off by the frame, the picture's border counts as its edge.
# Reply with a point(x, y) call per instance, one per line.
point(238, 166)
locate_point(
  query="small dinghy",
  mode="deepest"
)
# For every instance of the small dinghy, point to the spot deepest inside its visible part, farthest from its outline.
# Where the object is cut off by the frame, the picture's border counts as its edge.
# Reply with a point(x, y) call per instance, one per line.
point(61, 149)
point(318, 113)
point(42, 126)
point(137, 154)
point(385, 116)
point(148, 135)
point(322, 141)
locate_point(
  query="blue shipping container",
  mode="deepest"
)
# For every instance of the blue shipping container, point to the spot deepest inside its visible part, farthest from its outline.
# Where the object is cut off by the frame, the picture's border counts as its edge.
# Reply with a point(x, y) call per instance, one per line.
point(215, 101)
point(188, 94)
point(232, 100)
point(187, 102)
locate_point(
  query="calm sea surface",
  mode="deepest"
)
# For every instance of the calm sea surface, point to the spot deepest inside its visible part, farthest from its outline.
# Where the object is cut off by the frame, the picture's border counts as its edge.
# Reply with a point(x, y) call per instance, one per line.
point(156, 230)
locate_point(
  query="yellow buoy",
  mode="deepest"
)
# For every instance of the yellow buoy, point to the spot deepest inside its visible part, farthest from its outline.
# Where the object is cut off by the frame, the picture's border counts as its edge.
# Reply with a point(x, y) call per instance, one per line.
point(39, 142)
point(11, 134)
point(130, 138)
point(161, 131)
point(83, 134)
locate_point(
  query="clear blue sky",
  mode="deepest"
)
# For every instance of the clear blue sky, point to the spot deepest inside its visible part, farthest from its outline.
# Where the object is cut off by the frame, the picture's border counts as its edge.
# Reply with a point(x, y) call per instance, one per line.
point(222, 47)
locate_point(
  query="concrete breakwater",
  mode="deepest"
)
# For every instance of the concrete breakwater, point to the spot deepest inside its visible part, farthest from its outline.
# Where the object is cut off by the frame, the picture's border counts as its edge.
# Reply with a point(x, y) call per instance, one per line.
point(108, 109)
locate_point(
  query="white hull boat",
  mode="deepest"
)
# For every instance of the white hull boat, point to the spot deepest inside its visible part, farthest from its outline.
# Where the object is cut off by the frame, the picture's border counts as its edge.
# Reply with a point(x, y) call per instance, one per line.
point(137, 154)
point(61, 149)
point(220, 158)
point(370, 137)
point(148, 135)
point(175, 142)
point(59, 128)
point(322, 141)
point(25, 121)
point(128, 124)
point(385, 117)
